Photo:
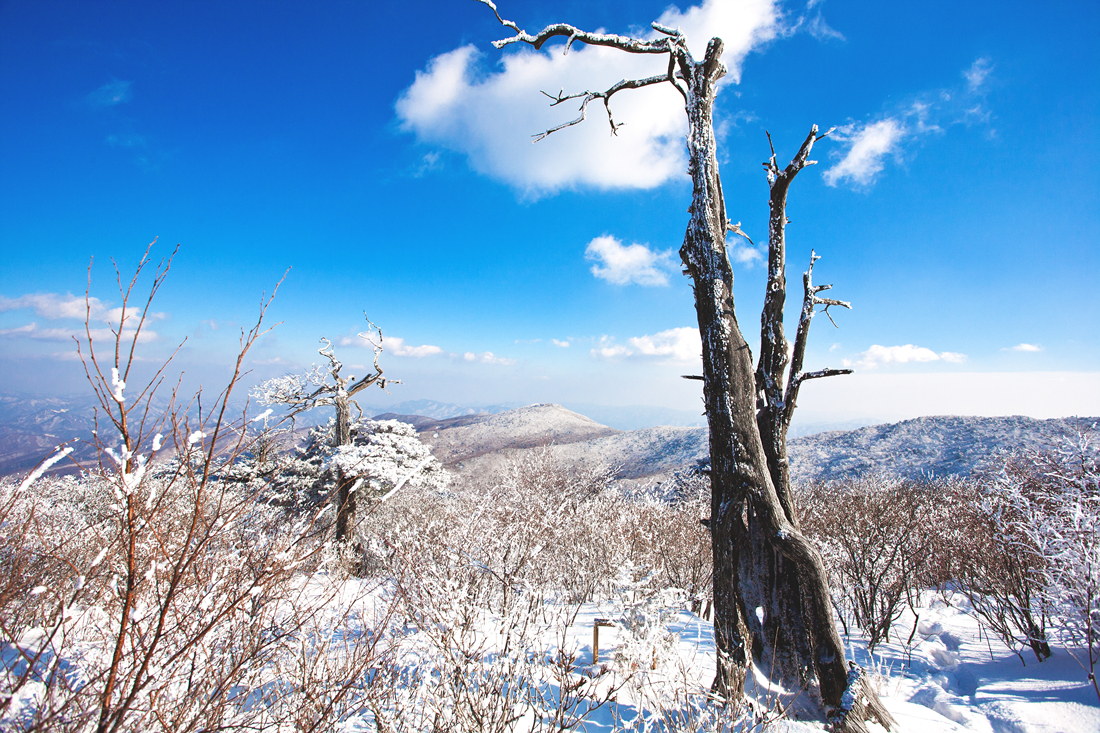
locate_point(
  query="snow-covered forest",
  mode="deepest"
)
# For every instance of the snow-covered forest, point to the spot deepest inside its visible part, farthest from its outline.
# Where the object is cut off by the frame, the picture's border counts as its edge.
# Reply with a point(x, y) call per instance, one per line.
point(224, 536)
point(197, 578)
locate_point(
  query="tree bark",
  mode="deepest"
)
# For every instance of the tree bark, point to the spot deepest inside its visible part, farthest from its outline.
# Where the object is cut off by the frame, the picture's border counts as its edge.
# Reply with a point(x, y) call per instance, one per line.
point(747, 514)
point(754, 534)
point(345, 507)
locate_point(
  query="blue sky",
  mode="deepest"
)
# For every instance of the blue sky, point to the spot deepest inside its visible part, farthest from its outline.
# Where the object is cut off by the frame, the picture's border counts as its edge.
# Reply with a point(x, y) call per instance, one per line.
point(382, 152)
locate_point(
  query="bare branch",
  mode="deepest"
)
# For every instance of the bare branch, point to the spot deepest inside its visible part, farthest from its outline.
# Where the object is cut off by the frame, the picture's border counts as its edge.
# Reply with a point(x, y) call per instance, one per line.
point(588, 96)
point(823, 373)
point(736, 229)
point(666, 30)
point(810, 302)
point(623, 43)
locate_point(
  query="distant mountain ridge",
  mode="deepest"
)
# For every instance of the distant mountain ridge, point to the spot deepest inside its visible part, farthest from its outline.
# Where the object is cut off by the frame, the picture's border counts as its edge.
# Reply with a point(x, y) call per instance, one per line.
point(925, 446)
point(942, 445)
point(467, 440)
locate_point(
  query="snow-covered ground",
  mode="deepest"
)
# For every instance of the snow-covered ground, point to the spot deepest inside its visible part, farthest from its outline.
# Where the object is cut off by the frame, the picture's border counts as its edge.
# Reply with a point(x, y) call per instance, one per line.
point(953, 676)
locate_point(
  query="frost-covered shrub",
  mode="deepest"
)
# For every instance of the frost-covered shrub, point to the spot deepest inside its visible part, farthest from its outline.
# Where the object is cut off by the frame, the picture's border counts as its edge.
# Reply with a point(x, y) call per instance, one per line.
point(876, 536)
point(995, 564)
point(382, 457)
point(1048, 503)
point(155, 595)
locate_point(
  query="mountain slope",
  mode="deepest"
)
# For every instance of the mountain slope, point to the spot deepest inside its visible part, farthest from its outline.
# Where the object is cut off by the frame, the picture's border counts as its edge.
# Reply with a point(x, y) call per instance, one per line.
point(527, 427)
point(940, 445)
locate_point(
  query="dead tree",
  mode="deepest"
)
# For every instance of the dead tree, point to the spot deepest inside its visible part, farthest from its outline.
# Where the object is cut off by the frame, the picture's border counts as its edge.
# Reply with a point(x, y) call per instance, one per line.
point(325, 386)
point(746, 504)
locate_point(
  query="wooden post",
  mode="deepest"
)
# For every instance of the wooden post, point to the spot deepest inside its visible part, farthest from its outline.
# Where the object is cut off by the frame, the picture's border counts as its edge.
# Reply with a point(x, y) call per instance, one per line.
point(596, 624)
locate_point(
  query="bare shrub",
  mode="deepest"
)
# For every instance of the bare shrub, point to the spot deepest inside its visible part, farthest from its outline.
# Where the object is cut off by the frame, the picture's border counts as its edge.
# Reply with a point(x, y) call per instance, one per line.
point(876, 536)
point(991, 560)
point(146, 596)
point(1041, 516)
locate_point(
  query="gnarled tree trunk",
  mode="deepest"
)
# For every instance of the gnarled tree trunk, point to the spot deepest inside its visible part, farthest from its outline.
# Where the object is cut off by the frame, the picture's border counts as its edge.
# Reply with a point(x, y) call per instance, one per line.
point(760, 557)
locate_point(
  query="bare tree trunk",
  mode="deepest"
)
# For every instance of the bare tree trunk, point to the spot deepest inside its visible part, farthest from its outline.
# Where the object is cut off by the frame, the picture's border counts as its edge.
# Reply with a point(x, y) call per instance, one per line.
point(754, 535)
point(342, 403)
point(345, 507)
point(743, 494)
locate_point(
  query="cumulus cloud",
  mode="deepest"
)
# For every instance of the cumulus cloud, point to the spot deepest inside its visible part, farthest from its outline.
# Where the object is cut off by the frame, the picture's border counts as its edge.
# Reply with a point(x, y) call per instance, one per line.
point(675, 344)
point(110, 94)
point(868, 147)
point(745, 255)
point(879, 355)
point(623, 264)
point(560, 344)
point(1026, 347)
point(490, 118)
point(398, 347)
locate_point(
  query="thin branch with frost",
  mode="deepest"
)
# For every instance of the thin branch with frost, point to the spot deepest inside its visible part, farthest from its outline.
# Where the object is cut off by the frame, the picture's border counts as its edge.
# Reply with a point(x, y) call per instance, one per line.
point(605, 96)
point(810, 301)
point(672, 42)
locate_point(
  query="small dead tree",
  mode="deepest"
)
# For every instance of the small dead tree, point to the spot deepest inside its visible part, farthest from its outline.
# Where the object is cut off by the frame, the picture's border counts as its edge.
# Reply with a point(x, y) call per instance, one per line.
point(325, 386)
point(749, 507)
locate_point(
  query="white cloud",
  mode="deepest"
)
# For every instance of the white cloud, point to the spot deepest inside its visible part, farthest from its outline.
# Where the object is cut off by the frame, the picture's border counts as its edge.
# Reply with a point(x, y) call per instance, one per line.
point(681, 344)
point(486, 357)
point(110, 94)
point(99, 335)
point(491, 118)
point(1026, 347)
point(398, 347)
point(622, 265)
point(54, 306)
point(609, 350)
point(675, 344)
point(870, 144)
point(879, 355)
point(560, 344)
point(978, 72)
point(490, 358)
point(394, 345)
point(745, 255)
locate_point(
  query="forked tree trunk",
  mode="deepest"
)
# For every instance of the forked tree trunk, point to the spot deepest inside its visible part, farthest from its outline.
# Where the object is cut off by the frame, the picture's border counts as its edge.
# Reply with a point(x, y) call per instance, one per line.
point(761, 560)
point(743, 494)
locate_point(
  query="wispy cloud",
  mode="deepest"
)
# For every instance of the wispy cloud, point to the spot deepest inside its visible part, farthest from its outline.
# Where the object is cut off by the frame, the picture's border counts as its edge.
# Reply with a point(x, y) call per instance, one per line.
point(877, 356)
point(675, 344)
point(1024, 347)
point(560, 344)
point(486, 357)
point(110, 94)
point(54, 307)
point(126, 141)
point(32, 331)
point(623, 264)
point(813, 22)
point(868, 146)
point(978, 73)
point(394, 345)
point(490, 117)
